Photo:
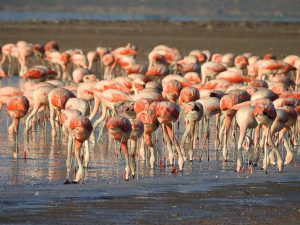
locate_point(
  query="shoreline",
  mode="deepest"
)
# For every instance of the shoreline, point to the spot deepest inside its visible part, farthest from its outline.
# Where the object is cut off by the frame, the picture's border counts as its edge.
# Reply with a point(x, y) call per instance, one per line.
point(238, 37)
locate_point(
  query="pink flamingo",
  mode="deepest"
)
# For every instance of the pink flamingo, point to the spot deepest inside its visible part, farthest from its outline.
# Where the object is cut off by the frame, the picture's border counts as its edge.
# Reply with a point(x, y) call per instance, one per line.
point(193, 77)
point(227, 102)
point(210, 70)
point(39, 73)
point(233, 76)
point(119, 129)
point(193, 112)
point(79, 73)
point(60, 60)
point(39, 99)
point(57, 99)
point(110, 100)
point(241, 62)
point(250, 115)
point(92, 57)
point(184, 82)
point(211, 107)
point(171, 90)
point(202, 57)
point(25, 50)
point(146, 114)
point(17, 108)
point(228, 59)
point(167, 113)
point(80, 129)
point(137, 133)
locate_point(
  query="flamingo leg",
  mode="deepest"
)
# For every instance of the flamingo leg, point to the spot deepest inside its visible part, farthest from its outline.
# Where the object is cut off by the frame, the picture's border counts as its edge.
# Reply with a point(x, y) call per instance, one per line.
point(98, 122)
point(254, 156)
point(79, 174)
point(289, 153)
point(52, 121)
point(240, 160)
point(142, 153)
point(206, 140)
point(218, 140)
point(86, 154)
point(68, 161)
point(184, 138)
point(222, 130)
point(126, 154)
point(192, 135)
point(133, 145)
point(169, 146)
point(95, 109)
point(177, 146)
point(227, 124)
point(29, 118)
point(278, 155)
point(148, 141)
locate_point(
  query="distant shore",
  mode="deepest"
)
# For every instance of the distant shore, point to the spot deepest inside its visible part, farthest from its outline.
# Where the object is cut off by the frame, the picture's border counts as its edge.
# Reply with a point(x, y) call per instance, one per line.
point(218, 36)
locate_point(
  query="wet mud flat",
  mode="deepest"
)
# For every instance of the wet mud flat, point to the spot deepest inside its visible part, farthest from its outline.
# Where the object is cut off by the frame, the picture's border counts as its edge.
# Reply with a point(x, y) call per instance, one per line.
point(228, 198)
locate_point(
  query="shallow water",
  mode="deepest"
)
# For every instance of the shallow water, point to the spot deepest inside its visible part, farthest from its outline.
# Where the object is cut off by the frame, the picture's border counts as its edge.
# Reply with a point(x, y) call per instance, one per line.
point(59, 16)
point(34, 186)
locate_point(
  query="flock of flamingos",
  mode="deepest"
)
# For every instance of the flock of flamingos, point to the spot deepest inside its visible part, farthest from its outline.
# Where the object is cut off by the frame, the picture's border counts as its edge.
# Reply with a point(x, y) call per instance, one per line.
point(247, 96)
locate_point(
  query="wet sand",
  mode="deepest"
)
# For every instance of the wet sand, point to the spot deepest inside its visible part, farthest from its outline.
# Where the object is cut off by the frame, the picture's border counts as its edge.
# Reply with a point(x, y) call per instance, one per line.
point(32, 192)
point(262, 199)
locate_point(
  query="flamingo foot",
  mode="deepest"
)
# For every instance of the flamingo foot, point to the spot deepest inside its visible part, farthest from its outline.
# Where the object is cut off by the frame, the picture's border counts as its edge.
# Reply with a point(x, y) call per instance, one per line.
point(174, 170)
point(126, 174)
point(239, 169)
point(25, 155)
point(288, 159)
point(67, 181)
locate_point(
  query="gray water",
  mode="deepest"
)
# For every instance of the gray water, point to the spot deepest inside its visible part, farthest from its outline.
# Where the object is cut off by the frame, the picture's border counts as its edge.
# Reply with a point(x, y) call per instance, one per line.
point(61, 16)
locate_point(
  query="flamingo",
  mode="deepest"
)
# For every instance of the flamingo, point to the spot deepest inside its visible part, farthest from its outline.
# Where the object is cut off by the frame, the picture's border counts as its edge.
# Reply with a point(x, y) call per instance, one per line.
point(60, 60)
point(25, 50)
point(92, 57)
point(8, 92)
point(17, 108)
point(233, 76)
point(228, 59)
point(227, 101)
point(57, 99)
point(216, 57)
point(211, 107)
point(39, 73)
point(40, 99)
point(193, 112)
point(80, 128)
point(210, 70)
point(167, 113)
point(171, 90)
point(119, 129)
point(201, 56)
point(147, 116)
point(192, 77)
point(241, 61)
point(110, 100)
point(79, 73)
point(250, 115)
